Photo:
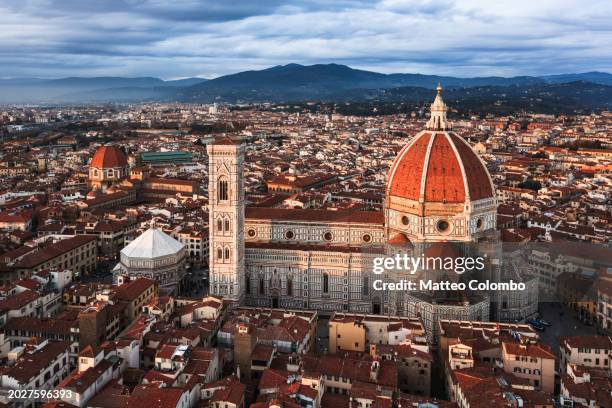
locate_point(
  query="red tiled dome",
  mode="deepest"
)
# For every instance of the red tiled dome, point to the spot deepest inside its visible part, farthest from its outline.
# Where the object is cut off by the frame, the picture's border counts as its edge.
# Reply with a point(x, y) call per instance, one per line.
point(446, 164)
point(108, 157)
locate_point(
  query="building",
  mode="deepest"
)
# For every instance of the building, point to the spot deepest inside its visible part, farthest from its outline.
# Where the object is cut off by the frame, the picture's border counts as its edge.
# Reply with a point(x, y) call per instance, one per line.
point(154, 255)
point(77, 253)
point(94, 371)
point(438, 192)
point(37, 366)
point(108, 165)
point(587, 351)
point(531, 361)
point(351, 332)
point(604, 305)
point(585, 387)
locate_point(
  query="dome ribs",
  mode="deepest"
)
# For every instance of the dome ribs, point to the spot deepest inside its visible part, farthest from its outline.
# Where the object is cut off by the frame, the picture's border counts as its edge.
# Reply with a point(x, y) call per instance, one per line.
point(406, 180)
point(108, 157)
point(443, 166)
point(478, 180)
point(444, 181)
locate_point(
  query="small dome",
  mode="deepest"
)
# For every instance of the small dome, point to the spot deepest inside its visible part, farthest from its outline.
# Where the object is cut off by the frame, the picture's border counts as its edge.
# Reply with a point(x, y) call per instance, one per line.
point(108, 157)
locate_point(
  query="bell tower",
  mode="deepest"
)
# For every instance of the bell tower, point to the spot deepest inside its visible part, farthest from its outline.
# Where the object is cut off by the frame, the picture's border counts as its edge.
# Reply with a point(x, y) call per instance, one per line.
point(226, 218)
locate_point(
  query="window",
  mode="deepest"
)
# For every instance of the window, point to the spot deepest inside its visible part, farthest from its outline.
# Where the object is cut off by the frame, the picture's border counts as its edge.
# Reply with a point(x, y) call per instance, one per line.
point(365, 286)
point(442, 225)
point(222, 190)
point(219, 253)
point(289, 286)
point(325, 283)
point(328, 236)
point(405, 220)
point(248, 285)
point(227, 254)
point(219, 225)
point(261, 286)
point(227, 225)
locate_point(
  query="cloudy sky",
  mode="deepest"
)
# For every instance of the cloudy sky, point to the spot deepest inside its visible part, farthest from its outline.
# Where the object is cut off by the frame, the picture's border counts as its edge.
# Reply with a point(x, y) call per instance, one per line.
point(208, 38)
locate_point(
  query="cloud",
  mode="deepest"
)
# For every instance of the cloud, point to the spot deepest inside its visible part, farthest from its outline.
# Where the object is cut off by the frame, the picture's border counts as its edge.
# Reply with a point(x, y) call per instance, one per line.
point(169, 39)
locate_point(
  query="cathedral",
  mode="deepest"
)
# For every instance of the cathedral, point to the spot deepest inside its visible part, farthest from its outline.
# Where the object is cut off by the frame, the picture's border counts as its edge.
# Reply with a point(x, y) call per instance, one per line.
point(439, 199)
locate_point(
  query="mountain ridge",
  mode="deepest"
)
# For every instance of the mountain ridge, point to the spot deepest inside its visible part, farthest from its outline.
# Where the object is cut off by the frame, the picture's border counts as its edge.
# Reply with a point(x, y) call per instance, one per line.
point(280, 83)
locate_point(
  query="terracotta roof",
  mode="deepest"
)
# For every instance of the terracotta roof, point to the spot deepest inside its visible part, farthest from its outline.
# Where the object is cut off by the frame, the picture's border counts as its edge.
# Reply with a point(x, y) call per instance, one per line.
point(18, 301)
point(436, 159)
point(49, 252)
point(529, 350)
point(224, 140)
point(133, 289)
point(30, 365)
point(234, 393)
point(45, 327)
point(108, 157)
point(599, 342)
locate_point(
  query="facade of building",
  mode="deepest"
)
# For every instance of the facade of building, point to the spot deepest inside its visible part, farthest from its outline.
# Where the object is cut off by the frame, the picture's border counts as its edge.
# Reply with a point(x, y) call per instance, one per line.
point(439, 194)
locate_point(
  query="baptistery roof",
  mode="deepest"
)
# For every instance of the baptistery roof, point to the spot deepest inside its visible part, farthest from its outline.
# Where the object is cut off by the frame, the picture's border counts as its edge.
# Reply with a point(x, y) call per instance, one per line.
point(153, 243)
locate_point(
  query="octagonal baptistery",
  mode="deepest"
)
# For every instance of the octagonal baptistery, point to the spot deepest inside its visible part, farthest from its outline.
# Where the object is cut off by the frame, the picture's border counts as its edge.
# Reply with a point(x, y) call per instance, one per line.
point(438, 188)
point(154, 255)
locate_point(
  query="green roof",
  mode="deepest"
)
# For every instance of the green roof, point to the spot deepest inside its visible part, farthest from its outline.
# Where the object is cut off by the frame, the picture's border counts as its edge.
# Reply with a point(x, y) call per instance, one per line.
point(165, 156)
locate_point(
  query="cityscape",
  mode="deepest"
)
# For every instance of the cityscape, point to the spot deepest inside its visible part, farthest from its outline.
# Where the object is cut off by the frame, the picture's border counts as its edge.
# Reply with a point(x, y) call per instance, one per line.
point(301, 235)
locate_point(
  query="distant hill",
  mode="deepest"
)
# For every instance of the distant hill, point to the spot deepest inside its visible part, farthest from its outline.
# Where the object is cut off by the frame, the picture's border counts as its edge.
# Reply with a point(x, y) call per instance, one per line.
point(298, 82)
point(542, 97)
point(294, 82)
point(594, 77)
point(323, 82)
point(76, 89)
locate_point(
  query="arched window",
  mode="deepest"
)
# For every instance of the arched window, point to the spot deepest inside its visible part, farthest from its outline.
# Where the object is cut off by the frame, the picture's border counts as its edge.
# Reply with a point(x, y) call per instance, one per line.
point(227, 254)
point(219, 253)
point(219, 225)
point(248, 284)
point(289, 286)
point(325, 283)
point(222, 190)
point(261, 285)
point(227, 225)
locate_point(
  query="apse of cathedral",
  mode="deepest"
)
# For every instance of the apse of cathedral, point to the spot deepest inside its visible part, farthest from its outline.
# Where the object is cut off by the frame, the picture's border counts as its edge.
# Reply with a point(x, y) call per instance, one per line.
point(440, 202)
